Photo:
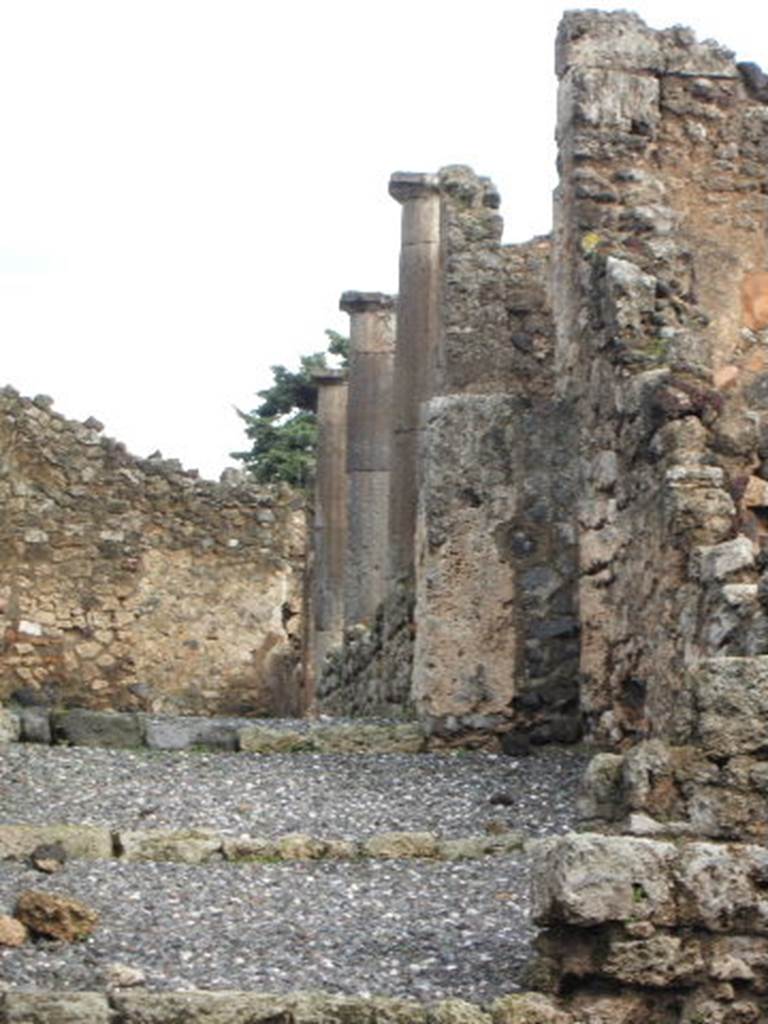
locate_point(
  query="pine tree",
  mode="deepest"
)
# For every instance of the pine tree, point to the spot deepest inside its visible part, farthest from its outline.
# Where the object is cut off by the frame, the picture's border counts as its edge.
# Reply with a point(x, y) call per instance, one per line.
point(283, 428)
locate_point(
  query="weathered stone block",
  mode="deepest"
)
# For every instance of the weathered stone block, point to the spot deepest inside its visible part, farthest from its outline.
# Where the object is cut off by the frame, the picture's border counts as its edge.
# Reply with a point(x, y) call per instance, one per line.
point(528, 1008)
point(403, 844)
point(88, 842)
point(731, 698)
point(35, 725)
point(259, 739)
point(55, 1008)
point(457, 1011)
point(10, 726)
point(193, 846)
point(183, 733)
point(361, 737)
point(717, 561)
point(589, 880)
point(722, 887)
point(83, 728)
point(661, 961)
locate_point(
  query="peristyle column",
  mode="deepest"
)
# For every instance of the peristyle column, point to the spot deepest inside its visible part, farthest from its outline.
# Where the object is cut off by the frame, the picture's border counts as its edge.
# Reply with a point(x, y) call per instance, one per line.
point(415, 351)
point(330, 522)
point(369, 446)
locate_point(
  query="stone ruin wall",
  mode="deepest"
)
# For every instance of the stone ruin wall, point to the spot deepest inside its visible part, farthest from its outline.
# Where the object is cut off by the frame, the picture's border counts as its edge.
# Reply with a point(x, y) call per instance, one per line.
point(659, 913)
point(130, 584)
point(650, 393)
point(660, 225)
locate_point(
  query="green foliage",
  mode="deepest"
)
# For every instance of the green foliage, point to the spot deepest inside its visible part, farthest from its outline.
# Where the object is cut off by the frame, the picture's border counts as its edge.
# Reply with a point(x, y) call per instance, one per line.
point(283, 428)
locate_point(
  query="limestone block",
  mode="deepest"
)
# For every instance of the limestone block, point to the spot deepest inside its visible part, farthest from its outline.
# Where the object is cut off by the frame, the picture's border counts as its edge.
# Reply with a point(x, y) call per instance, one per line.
point(249, 848)
point(361, 737)
point(10, 726)
point(259, 739)
point(193, 846)
point(299, 846)
point(720, 560)
point(199, 1007)
point(56, 1008)
point(599, 39)
point(607, 100)
point(83, 728)
point(457, 1011)
point(658, 962)
point(601, 790)
point(183, 733)
point(255, 1008)
point(35, 725)
point(722, 813)
point(528, 1008)
point(402, 844)
point(589, 880)
point(88, 842)
point(731, 697)
point(721, 887)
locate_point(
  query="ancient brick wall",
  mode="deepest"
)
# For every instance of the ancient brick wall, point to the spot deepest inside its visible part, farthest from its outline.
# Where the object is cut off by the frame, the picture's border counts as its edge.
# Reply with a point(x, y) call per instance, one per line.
point(131, 584)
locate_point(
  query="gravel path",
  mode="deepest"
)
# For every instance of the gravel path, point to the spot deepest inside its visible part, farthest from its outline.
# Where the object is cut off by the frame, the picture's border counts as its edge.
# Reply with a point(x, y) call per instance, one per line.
point(334, 795)
point(386, 928)
point(420, 929)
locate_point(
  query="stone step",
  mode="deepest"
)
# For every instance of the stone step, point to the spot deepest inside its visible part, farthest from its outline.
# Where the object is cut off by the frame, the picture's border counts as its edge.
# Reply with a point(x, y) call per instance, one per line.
point(203, 846)
point(141, 1007)
point(127, 730)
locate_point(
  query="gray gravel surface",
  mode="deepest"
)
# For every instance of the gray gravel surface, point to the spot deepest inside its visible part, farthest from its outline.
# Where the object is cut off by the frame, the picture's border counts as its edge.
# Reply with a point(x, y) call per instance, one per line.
point(424, 930)
point(409, 928)
point(333, 795)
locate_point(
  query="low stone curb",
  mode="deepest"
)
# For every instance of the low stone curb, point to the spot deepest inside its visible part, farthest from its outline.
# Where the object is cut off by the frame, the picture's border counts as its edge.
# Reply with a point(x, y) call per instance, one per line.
point(143, 1007)
point(198, 846)
point(133, 730)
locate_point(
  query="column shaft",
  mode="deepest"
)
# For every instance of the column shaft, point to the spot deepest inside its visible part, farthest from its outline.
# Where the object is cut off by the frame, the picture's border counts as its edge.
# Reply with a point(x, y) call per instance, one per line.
point(369, 445)
point(330, 524)
point(415, 353)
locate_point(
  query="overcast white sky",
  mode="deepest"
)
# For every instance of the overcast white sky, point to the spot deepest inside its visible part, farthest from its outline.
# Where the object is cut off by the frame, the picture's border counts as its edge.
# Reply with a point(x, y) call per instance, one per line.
point(187, 186)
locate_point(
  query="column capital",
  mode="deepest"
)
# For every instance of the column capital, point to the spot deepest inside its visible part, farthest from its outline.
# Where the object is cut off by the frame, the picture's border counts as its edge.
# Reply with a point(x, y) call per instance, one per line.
point(405, 185)
point(329, 375)
point(366, 302)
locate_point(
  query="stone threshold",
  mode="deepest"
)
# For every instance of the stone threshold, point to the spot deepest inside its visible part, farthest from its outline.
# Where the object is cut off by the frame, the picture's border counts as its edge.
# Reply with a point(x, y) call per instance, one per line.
point(139, 1006)
point(201, 846)
point(135, 730)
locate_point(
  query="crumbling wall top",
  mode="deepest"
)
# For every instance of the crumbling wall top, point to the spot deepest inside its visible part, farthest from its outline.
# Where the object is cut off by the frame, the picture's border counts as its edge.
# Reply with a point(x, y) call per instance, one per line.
point(621, 40)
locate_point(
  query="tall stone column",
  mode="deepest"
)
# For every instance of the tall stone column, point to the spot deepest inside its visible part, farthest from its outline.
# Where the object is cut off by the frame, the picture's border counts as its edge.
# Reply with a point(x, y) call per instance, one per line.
point(415, 353)
point(330, 523)
point(369, 445)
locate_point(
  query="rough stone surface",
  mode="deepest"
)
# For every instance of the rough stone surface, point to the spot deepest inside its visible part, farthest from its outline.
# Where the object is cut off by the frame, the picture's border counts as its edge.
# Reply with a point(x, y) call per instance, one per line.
point(130, 584)
point(55, 916)
point(731, 697)
point(588, 880)
point(55, 1008)
point(12, 931)
point(403, 844)
point(195, 846)
point(371, 673)
point(10, 726)
point(89, 841)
